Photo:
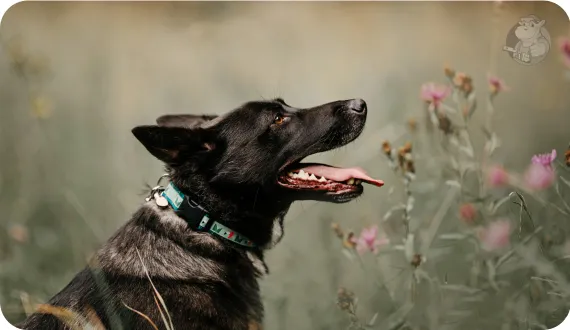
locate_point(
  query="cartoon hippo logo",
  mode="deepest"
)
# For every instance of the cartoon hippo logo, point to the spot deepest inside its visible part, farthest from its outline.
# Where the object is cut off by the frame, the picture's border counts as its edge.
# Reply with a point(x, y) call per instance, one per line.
point(528, 42)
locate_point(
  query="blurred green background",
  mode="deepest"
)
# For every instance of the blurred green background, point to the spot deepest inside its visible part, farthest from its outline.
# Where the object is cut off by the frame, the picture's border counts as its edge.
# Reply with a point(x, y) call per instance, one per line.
point(76, 77)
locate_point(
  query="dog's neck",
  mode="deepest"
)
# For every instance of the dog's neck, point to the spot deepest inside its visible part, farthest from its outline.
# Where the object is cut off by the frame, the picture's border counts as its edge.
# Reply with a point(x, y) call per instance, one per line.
point(246, 209)
point(197, 217)
point(170, 250)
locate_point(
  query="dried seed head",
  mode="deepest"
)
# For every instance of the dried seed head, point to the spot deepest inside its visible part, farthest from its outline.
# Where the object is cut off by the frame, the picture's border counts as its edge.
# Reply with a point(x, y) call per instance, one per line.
point(416, 260)
point(467, 87)
point(405, 161)
point(464, 82)
point(401, 157)
point(567, 157)
point(345, 299)
point(449, 72)
point(409, 166)
point(337, 230)
point(349, 241)
point(445, 124)
point(407, 147)
point(343, 306)
point(387, 148)
point(458, 79)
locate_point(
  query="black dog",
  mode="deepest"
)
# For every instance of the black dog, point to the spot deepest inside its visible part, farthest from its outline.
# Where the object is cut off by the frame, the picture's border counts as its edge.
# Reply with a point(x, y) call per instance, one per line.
point(200, 241)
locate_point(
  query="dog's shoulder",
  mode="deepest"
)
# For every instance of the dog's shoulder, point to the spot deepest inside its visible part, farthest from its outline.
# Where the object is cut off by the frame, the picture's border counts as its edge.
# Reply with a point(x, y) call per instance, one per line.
point(159, 243)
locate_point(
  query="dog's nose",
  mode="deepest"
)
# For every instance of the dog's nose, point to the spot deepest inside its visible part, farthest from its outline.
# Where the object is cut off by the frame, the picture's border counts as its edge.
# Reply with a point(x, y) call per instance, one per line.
point(357, 105)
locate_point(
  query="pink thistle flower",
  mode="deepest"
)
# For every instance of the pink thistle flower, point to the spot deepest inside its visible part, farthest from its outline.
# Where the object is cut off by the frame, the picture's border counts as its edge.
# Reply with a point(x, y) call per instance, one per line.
point(467, 212)
point(539, 176)
point(369, 240)
point(434, 94)
point(496, 235)
point(544, 159)
point(497, 176)
point(19, 233)
point(564, 45)
point(497, 85)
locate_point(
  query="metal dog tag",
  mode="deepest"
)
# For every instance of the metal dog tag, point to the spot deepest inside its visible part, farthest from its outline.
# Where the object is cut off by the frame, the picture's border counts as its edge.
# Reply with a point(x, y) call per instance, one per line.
point(160, 200)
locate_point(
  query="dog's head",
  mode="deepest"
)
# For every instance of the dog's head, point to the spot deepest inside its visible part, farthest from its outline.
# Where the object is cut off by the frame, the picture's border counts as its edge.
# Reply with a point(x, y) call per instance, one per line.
point(246, 164)
point(258, 147)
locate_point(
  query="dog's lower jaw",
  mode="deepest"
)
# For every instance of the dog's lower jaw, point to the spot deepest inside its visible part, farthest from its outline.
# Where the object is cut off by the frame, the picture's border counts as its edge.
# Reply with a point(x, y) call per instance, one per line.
point(341, 199)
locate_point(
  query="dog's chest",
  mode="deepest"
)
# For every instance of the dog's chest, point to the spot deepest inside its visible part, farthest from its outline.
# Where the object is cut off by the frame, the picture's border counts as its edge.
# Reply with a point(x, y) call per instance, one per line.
point(192, 303)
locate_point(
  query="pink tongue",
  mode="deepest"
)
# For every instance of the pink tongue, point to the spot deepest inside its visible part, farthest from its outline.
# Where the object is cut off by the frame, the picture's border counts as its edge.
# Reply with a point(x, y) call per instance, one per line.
point(342, 174)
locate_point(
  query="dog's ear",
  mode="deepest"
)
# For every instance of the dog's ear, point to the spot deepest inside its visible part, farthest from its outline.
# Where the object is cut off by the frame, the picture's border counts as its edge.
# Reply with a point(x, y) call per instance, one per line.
point(173, 144)
point(183, 120)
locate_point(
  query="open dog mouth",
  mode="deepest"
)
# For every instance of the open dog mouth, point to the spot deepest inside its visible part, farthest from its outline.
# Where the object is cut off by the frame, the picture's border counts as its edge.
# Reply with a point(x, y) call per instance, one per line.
point(325, 178)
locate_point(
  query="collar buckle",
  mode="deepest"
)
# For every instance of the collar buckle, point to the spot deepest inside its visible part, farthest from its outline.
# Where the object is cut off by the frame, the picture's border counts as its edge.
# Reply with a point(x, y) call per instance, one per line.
point(156, 193)
point(153, 192)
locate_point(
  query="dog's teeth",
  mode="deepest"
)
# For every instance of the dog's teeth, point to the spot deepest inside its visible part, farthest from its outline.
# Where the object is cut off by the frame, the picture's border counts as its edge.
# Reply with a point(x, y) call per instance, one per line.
point(357, 182)
point(303, 175)
point(312, 177)
point(351, 181)
point(322, 179)
point(291, 174)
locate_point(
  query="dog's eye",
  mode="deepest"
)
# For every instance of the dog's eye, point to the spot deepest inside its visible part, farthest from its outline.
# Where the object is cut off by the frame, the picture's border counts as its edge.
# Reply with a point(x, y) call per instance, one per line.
point(279, 119)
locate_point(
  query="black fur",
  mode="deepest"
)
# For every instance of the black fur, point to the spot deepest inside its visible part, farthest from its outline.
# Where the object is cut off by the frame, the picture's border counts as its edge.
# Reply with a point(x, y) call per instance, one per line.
point(231, 163)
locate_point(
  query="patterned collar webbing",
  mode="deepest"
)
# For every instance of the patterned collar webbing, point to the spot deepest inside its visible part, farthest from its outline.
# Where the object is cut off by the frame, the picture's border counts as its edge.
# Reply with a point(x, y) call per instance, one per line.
point(198, 218)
